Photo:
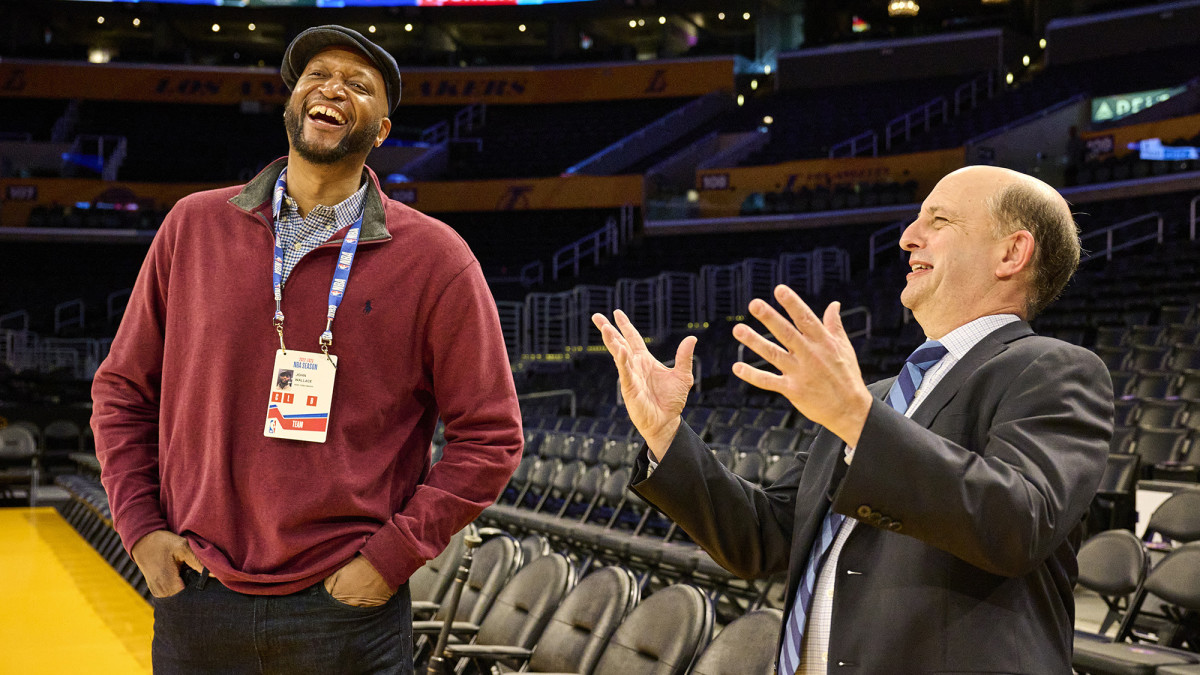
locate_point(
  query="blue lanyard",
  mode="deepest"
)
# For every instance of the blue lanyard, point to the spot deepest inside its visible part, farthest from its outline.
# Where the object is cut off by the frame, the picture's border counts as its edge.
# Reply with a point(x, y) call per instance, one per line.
point(341, 273)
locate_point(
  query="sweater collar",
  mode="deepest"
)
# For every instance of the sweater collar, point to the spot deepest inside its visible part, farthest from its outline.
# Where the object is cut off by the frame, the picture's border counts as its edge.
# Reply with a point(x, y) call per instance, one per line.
point(255, 197)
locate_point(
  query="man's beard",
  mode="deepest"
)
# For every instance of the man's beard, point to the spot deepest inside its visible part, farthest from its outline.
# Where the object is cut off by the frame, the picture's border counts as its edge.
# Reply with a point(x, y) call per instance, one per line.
point(357, 141)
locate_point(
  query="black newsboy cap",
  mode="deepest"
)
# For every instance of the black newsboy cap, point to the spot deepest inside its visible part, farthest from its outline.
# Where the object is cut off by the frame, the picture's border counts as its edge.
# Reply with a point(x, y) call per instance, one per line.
point(307, 44)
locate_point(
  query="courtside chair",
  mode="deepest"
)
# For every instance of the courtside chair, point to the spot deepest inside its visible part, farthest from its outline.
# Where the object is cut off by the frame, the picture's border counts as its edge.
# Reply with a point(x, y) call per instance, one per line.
point(1184, 356)
point(427, 586)
point(1176, 580)
point(1116, 495)
point(1160, 412)
point(533, 546)
point(1152, 384)
point(774, 470)
point(1125, 411)
point(576, 634)
point(747, 646)
point(1174, 314)
point(32, 427)
point(749, 465)
point(19, 465)
point(1113, 564)
point(1121, 381)
point(646, 644)
point(60, 438)
point(1186, 466)
point(518, 481)
point(521, 610)
point(492, 565)
point(1156, 445)
point(1175, 521)
point(1122, 439)
point(779, 440)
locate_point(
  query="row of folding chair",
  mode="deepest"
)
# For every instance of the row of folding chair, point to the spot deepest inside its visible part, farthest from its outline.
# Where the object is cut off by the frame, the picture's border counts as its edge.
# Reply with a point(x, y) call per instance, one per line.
point(542, 617)
point(1158, 412)
point(619, 427)
point(591, 512)
point(775, 441)
point(20, 465)
point(1164, 333)
point(590, 449)
point(1142, 384)
point(1151, 588)
point(701, 418)
point(1167, 453)
point(89, 513)
point(1178, 357)
point(54, 442)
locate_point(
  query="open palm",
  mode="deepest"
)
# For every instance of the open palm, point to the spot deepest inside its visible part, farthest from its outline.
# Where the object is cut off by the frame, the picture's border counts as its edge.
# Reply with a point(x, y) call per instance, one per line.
point(654, 394)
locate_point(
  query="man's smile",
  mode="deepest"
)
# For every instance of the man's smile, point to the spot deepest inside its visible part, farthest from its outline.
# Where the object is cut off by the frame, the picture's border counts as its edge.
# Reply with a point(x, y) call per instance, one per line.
point(324, 115)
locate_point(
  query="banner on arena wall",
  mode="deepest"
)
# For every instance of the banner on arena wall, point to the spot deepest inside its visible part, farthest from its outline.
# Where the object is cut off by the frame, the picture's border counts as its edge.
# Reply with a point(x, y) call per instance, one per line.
point(1116, 141)
point(231, 86)
point(22, 195)
point(722, 191)
point(566, 192)
point(125, 82)
point(567, 84)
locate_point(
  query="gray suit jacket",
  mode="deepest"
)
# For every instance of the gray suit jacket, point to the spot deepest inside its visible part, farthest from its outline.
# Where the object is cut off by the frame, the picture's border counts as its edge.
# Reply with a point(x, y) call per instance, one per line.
point(970, 513)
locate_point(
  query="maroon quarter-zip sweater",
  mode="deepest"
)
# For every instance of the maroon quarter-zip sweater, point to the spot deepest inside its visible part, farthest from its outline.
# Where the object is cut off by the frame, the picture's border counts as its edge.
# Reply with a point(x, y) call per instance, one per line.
point(180, 402)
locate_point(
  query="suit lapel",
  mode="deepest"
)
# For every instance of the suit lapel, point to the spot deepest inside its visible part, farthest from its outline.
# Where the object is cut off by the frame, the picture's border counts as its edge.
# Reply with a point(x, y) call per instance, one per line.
point(821, 471)
point(987, 348)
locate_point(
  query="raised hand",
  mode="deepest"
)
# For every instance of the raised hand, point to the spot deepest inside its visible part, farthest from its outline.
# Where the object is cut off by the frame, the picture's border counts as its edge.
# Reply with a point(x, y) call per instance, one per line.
point(818, 370)
point(654, 394)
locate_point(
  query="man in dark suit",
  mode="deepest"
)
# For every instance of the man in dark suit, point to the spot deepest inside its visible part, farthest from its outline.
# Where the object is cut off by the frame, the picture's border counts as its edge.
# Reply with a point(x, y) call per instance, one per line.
point(932, 525)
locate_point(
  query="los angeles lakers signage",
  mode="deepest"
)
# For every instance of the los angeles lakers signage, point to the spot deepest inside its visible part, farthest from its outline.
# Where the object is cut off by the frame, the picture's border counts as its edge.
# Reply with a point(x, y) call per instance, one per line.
point(450, 86)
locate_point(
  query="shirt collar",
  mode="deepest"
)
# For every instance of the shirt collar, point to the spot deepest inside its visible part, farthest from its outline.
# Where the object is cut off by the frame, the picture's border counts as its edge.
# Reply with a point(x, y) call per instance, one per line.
point(960, 340)
point(346, 211)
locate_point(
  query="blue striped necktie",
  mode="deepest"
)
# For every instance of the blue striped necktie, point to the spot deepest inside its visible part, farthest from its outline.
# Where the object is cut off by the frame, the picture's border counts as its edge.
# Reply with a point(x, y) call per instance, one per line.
point(900, 396)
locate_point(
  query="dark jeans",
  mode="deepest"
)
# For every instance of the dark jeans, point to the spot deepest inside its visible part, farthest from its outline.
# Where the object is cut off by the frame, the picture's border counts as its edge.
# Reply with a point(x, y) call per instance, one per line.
point(207, 628)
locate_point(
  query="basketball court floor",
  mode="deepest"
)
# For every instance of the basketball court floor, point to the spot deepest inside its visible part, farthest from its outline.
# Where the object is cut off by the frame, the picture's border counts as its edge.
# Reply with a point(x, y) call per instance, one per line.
point(65, 610)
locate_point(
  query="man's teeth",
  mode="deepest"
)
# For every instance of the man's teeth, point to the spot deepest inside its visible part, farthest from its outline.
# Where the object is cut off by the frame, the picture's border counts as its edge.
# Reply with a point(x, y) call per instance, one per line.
point(919, 266)
point(328, 112)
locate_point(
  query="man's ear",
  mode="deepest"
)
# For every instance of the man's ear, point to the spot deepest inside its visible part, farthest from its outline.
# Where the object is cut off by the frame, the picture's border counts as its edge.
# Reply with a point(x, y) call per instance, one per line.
point(385, 128)
point(1017, 254)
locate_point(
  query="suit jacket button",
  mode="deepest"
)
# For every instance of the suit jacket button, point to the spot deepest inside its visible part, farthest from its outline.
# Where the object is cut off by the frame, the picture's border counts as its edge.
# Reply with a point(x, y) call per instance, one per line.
point(884, 521)
point(864, 511)
point(895, 526)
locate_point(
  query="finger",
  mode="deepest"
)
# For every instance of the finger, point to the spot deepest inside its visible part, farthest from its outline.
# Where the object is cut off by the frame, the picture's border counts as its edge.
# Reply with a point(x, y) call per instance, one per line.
point(833, 321)
point(683, 354)
point(167, 583)
point(758, 378)
point(780, 327)
point(188, 557)
point(631, 334)
point(799, 311)
point(615, 345)
point(773, 353)
point(600, 321)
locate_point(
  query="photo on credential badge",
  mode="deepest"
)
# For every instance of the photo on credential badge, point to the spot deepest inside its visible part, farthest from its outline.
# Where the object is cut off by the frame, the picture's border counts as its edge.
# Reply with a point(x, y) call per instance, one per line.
point(284, 380)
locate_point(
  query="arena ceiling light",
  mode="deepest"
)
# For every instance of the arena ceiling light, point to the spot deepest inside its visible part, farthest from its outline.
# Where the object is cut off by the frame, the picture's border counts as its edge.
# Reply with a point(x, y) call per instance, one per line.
point(903, 8)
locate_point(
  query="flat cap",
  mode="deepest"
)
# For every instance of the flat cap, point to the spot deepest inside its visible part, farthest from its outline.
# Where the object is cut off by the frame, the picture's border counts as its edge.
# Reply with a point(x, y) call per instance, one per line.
point(307, 44)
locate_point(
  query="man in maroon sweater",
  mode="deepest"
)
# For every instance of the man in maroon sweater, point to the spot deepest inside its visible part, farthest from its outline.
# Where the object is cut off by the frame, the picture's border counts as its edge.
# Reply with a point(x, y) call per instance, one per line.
point(277, 526)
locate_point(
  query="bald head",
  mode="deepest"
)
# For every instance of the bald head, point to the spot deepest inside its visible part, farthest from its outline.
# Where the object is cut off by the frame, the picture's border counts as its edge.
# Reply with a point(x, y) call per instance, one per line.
point(1015, 202)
